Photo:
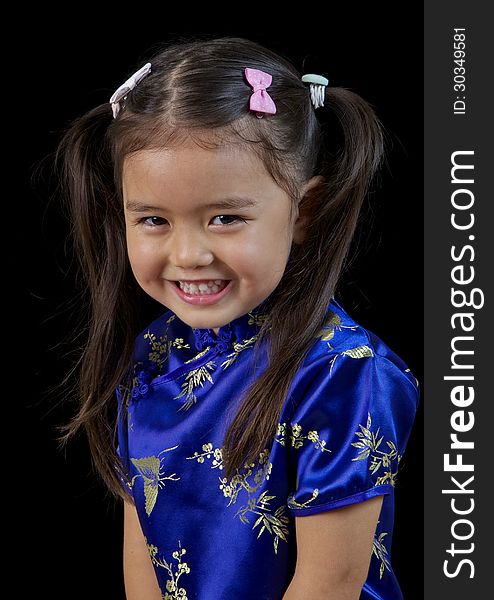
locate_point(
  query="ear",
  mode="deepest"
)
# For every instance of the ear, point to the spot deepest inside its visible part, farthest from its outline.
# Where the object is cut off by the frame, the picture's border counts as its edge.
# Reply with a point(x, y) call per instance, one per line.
point(305, 208)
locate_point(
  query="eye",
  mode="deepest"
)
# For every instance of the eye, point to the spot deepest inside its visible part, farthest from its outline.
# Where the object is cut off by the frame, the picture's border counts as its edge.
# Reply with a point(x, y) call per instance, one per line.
point(152, 221)
point(231, 218)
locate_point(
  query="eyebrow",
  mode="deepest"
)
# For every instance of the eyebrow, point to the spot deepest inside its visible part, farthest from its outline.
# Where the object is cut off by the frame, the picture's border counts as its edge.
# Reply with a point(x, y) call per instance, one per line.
point(234, 202)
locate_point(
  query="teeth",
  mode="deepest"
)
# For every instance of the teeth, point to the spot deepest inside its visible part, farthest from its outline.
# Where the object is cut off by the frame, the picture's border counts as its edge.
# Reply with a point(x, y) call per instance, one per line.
point(211, 287)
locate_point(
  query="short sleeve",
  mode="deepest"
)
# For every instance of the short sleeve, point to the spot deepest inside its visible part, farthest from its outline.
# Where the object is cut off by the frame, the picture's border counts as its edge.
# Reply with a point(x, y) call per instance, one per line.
point(350, 430)
point(122, 442)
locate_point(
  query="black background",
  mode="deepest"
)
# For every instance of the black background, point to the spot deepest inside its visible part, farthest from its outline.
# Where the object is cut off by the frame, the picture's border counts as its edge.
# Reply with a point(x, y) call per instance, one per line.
point(70, 535)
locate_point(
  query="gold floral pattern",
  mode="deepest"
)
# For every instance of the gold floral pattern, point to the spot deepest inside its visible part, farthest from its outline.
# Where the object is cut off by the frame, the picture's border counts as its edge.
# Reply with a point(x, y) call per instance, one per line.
point(150, 469)
point(369, 446)
point(332, 324)
point(294, 432)
point(196, 378)
point(238, 347)
point(275, 523)
point(381, 552)
point(193, 379)
point(159, 350)
point(297, 439)
point(292, 503)
point(173, 590)
point(256, 319)
point(357, 352)
point(207, 451)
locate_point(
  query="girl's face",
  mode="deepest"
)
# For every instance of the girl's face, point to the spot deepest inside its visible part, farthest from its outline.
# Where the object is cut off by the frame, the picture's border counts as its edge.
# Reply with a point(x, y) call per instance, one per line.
point(197, 216)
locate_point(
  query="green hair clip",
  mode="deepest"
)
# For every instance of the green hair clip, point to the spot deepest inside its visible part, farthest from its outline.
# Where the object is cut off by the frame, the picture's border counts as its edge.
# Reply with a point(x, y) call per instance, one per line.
point(318, 85)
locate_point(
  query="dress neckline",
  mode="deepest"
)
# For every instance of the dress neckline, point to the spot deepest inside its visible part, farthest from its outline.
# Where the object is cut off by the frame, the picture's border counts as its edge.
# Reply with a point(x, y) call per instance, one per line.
point(241, 328)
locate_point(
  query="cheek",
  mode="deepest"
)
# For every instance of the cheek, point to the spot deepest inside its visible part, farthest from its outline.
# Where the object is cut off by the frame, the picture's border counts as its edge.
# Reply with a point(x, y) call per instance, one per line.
point(143, 257)
point(262, 259)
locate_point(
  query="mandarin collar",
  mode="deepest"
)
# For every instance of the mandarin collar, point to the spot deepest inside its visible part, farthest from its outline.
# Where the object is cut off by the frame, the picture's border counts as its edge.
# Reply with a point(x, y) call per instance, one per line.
point(241, 328)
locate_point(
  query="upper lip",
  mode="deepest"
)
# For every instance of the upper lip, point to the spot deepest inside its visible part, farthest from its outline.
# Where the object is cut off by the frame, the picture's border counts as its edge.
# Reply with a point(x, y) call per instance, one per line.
point(202, 279)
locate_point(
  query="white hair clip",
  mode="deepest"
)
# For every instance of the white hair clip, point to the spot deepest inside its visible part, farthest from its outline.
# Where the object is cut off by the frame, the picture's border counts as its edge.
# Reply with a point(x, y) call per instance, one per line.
point(318, 85)
point(126, 87)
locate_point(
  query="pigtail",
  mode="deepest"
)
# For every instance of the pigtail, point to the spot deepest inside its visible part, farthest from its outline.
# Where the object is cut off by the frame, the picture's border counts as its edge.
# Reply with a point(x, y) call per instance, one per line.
point(88, 193)
point(348, 169)
point(312, 274)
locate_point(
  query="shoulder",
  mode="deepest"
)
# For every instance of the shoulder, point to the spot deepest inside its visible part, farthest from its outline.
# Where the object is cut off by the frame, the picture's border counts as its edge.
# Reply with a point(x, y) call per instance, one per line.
point(342, 339)
point(352, 378)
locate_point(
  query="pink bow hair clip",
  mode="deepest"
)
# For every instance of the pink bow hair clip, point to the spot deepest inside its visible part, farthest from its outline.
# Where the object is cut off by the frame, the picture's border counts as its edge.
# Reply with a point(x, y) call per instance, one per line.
point(260, 101)
point(127, 87)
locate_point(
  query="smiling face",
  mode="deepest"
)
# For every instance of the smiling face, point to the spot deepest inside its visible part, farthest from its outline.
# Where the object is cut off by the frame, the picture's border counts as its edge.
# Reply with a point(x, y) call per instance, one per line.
point(182, 226)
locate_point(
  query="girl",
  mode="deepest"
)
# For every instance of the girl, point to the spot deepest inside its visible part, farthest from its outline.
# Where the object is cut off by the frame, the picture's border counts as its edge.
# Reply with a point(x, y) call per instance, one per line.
point(259, 428)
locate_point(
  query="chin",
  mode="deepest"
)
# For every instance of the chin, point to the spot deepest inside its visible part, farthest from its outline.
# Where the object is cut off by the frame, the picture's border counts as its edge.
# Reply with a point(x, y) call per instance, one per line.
point(199, 323)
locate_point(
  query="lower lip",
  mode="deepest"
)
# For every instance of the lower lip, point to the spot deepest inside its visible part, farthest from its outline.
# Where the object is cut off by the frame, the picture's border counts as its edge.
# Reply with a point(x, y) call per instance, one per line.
point(203, 300)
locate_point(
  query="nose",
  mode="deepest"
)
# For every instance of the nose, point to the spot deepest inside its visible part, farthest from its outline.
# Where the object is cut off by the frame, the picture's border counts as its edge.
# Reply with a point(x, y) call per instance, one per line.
point(189, 249)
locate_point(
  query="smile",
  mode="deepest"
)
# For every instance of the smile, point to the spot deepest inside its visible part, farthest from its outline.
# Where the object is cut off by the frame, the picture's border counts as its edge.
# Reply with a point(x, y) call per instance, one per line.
point(200, 292)
point(200, 287)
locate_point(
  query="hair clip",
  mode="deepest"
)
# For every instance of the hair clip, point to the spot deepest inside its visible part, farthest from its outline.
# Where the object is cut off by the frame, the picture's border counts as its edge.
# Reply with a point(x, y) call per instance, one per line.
point(318, 85)
point(128, 86)
point(260, 101)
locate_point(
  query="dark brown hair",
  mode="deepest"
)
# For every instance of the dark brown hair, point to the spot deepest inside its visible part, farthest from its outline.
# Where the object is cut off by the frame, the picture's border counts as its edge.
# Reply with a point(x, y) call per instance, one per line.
point(197, 90)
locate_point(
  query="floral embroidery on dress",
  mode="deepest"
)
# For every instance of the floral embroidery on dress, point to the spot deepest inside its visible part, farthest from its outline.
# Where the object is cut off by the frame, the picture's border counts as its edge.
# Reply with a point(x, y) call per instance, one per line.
point(257, 318)
point(173, 590)
point(357, 352)
point(197, 356)
point(146, 370)
point(150, 469)
point(332, 324)
point(208, 450)
point(369, 446)
point(179, 343)
point(381, 552)
point(194, 379)
point(160, 346)
point(275, 524)
point(238, 347)
point(297, 441)
point(292, 503)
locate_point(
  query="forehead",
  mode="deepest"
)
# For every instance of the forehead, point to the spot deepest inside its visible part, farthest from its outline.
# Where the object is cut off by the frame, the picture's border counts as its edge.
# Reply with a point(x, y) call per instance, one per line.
point(191, 171)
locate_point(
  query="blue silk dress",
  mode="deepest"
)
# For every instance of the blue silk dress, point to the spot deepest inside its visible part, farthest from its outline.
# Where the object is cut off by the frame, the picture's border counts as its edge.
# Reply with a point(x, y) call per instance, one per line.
point(340, 438)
